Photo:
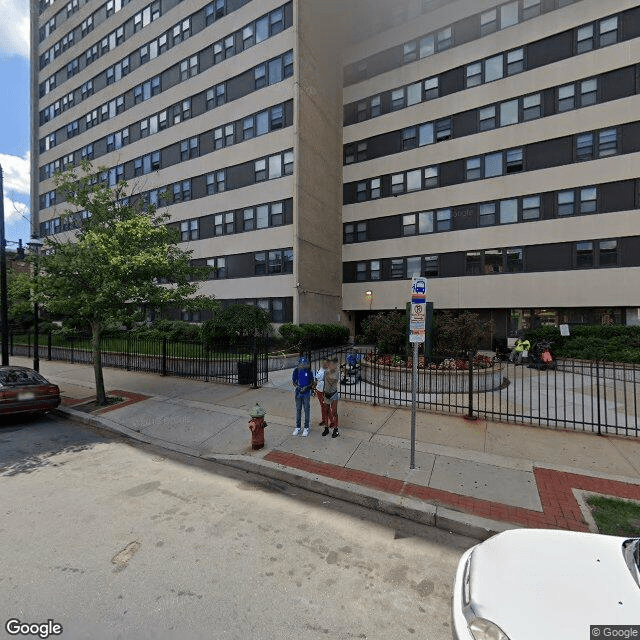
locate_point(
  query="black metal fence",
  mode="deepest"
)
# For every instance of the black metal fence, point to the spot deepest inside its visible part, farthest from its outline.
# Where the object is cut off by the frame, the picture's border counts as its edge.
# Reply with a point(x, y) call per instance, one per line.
point(595, 396)
point(237, 362)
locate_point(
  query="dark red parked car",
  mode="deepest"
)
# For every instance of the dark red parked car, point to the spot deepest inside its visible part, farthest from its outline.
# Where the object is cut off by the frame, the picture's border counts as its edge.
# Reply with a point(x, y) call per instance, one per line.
point(23, 390)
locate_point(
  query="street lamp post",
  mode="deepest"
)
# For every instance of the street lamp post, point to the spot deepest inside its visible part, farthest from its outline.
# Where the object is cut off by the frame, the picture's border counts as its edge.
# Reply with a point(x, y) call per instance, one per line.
point(35, 246)
point(4, 298)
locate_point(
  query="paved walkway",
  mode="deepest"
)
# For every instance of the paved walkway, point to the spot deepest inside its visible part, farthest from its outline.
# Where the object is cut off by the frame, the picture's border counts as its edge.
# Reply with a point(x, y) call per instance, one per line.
point(474, 478)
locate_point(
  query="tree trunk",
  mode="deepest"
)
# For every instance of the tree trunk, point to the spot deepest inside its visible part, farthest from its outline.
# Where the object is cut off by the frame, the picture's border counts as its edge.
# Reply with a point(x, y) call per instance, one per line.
point(101, 396)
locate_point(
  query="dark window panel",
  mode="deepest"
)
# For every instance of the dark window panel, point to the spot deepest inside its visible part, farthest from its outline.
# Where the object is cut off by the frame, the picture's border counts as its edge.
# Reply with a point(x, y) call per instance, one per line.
point(206, 143)
point(349, 193)
point(629, 249)
point(241, 175)
point(198, 187)
point(170, 77)
point(467, 30)
point(198, 104)
point(547, 204)
point(348, 272)
point(465, 217)
point(630, 23)
point(630, 137)
point(452, 81)
point(197, 22)
point(206, 59)
point(548, 102)
point(452, 265)
point(550, 153)
point(240, 86)
point(548, 50)
point(384, 228)
point(465, 123)
point(171, 155)
point(618, 84)
point(384, 145)
point(617, 196)
point(550, 257)
point(452, 172)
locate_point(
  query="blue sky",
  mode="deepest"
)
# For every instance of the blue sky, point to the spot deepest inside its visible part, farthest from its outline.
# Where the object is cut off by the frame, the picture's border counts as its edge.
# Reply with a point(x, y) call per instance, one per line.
point(14, 116)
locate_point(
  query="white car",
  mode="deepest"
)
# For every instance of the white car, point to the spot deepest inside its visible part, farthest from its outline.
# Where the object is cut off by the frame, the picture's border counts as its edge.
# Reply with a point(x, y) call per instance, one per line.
point(536, 584)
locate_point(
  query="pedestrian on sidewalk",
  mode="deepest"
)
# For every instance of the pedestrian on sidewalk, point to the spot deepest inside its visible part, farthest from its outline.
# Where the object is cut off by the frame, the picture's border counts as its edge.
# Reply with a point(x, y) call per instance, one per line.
point(302, 380)
point(319, 387)
point(520, 350)
point(331, 397)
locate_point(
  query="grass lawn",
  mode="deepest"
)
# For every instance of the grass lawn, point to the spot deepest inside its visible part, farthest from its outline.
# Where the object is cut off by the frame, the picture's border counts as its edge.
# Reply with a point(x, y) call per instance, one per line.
point(615, 517)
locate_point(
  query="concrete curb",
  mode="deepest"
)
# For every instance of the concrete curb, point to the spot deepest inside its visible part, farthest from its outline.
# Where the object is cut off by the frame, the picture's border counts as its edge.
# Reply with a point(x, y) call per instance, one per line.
point(411, 509)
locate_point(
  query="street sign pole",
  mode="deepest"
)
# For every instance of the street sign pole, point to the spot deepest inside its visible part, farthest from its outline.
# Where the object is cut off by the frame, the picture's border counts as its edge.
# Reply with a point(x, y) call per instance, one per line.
point(417, 327)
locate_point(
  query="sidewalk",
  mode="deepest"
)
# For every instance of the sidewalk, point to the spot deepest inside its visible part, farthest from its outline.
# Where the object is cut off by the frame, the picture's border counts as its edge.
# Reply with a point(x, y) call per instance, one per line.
point(474, 478)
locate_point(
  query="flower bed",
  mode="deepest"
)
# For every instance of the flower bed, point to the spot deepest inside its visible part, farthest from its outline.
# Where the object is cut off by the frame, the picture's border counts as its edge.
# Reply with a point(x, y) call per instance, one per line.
point(451, 375)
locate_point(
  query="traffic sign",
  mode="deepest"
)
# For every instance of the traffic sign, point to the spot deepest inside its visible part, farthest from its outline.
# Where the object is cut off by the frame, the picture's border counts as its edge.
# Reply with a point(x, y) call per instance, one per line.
point(419, 286)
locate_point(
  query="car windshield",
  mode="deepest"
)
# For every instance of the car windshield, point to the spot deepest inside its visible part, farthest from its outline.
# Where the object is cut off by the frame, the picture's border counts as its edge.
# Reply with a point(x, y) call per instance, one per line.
point(18, 377)
point(631, 550)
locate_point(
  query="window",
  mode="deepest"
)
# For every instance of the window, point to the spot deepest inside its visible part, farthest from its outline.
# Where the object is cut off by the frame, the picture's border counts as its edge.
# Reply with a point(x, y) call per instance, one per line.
point(374, 270)
point(608, 253)
point(487, 117)
point(189, 149)
point(409, 224)
point(473, 169)
point(566, 203)
point(189, 230)
point(430, 176)
point(288, 163)
point(275, 166)
point(493, 261)
point(397, 99)
point(248, 37)
point(224, 223)
point(397, 268)
point(430, 266)
point(262, 29)
point(414, 94)
point(444, 38)
point(473, 264)
point(508, 15)
point(181, 31)
point(474, 74)
point(585, 39)
point(426, 222)
point(397, 183)
point(375, 189)
point(508, 211)
point(509, 113)
point(72, 129)
point(443, 220)
point(182, 191)
point(514, 160)
point(493, 165)
point(214, 11)
point(514, 260)
point(260, 76)
point(588, 199)
point(608, 31)
point(530, 208)
point(487, 214)
point(584, 254)
point(488, 22)
point(409, 139)
point(425, 134)
point(584, 147)
point(607, 142)
point(427, 46)
point(376, 108)
point(247, 128)
point(277, 215)
point(493, 68)
point(566, 97)
point(588, 92)
point(515, 62)
point(262, 216)
point(260, 170)
point(530, 9)
point(443, 129)
point(532, 107)
point(218, 268)
point(410, 52)
point(431, 90)
point(361, 271)
point(277, 120)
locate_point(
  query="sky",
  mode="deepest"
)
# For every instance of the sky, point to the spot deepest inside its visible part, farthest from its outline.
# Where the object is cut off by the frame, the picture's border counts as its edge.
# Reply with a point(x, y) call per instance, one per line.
point(14, 117)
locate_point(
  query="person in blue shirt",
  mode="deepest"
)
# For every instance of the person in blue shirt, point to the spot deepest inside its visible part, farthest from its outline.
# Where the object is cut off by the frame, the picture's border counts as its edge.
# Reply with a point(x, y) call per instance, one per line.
point(302, 380)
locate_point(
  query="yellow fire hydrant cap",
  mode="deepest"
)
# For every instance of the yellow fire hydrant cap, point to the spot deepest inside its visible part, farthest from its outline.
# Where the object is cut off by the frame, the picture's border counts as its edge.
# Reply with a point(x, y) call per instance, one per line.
point(257, 412)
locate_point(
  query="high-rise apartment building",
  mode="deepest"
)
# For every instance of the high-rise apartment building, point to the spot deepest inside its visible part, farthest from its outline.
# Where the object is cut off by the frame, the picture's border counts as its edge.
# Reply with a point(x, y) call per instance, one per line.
point(320, 153)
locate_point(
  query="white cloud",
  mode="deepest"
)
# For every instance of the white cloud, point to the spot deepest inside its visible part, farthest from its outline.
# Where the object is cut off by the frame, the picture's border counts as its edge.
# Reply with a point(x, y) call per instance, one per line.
point(14, 210)
point(16, 172)
point(14, 28)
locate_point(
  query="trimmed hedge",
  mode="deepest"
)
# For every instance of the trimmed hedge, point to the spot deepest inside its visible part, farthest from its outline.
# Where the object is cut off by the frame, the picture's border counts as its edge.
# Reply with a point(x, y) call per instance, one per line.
point(613, 342)
point(313, 336)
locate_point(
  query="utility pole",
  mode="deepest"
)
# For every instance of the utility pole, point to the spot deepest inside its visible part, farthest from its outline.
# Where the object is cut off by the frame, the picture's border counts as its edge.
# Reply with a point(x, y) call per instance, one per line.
point(4, 298)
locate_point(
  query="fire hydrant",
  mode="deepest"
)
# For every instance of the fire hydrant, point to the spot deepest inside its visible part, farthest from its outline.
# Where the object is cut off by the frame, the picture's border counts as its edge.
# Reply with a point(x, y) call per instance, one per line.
point(257, 425)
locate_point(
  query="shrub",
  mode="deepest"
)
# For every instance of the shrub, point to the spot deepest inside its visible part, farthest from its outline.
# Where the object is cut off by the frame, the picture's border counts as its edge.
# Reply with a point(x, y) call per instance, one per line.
point(292, 334)
point(454, 334)
point(387, 330)
point(612, 342)
point(313, 336)
point(236, 321)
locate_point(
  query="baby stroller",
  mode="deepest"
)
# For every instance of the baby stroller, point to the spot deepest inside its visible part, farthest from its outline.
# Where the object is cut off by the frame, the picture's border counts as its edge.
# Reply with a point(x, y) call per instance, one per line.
point(351, 370)
point(541, 357)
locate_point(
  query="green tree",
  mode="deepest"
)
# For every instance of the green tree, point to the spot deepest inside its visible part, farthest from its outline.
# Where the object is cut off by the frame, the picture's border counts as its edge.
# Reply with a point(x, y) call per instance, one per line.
point(457, 333)
point(120, 259)
point(19, 287)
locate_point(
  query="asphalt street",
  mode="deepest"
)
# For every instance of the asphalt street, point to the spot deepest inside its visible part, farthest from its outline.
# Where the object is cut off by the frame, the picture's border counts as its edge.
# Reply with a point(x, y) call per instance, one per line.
point(113, 541)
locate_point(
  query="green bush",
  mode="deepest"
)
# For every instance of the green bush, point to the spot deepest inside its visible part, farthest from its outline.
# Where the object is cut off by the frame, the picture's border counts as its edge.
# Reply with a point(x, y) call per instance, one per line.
point(236, 321)
point(387, 330)
point(454, 334)
point(172, 330)
point(313, 336)
point(613, 342)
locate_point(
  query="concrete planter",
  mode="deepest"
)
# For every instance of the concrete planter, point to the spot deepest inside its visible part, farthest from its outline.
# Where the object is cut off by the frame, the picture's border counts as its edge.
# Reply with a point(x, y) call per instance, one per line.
point(432, 381)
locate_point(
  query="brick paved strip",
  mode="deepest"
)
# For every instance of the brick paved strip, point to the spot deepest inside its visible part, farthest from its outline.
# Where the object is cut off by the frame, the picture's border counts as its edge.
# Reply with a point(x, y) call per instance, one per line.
point(560, 508)
point(132, 398)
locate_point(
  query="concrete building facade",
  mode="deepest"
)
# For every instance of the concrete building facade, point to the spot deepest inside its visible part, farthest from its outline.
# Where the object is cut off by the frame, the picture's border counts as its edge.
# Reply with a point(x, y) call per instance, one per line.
point(320, 153)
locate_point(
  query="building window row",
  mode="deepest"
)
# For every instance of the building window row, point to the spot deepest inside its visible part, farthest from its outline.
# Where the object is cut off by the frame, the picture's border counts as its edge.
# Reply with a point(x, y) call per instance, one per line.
point(207, 142)
point(589, 254)
point(109, 42)
point(280, 309)
point(235, 43)
point(593, 35)
point(278, 69)
point(571, 149)
point(504, 64)
point(623, 195)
